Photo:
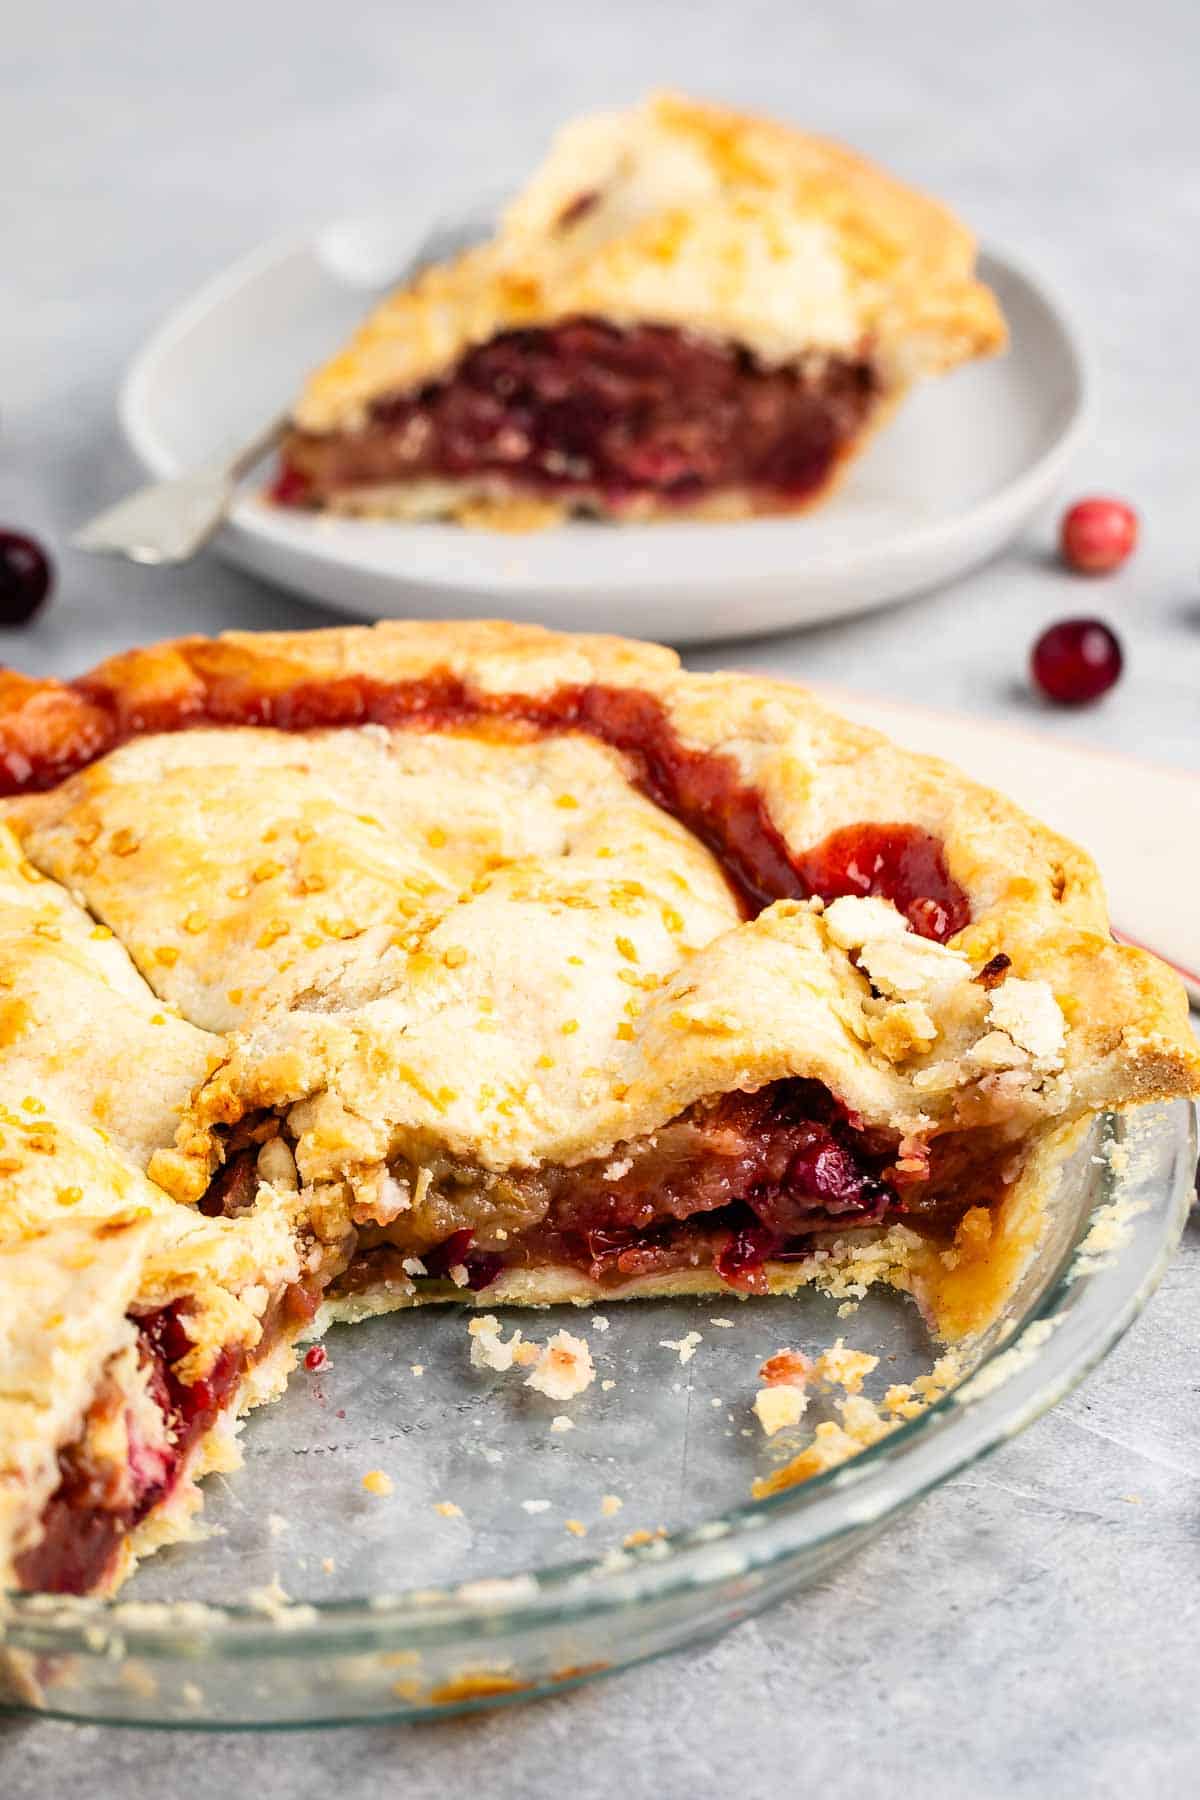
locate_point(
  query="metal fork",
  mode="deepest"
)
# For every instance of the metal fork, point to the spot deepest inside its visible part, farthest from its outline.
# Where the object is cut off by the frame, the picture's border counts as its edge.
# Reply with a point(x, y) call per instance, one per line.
point(168, 521)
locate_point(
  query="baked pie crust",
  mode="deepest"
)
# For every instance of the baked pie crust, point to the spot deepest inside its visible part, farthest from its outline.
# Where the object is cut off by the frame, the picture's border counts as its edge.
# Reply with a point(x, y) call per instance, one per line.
point(345, 970)
point(686, 312)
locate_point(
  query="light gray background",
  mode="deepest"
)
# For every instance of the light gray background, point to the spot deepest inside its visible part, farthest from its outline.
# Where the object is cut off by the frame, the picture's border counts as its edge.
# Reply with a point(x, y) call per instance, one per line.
point(1033, 1628)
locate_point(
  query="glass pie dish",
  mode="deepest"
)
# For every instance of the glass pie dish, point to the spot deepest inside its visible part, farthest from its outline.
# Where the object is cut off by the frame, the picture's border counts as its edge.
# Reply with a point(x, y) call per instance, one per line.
point(485, 1559)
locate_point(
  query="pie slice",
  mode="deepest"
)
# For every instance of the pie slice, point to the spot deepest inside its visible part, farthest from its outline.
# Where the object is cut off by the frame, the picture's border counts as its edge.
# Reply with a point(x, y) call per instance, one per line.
point(686, 313)
point(345, 971)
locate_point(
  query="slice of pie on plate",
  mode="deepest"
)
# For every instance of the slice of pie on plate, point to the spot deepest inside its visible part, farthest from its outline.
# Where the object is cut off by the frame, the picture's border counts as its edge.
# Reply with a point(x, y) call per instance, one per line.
point(342, 971)
point(686, 312)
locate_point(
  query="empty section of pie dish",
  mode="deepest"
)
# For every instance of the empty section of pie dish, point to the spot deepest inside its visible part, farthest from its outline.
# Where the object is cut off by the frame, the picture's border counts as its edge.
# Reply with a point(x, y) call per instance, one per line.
point(509, 1605)
point(470, 963)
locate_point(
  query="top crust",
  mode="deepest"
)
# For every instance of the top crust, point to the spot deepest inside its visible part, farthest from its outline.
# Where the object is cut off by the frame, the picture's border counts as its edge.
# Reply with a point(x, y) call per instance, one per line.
point(681, 214)
point(485, 942)
point(428, 880)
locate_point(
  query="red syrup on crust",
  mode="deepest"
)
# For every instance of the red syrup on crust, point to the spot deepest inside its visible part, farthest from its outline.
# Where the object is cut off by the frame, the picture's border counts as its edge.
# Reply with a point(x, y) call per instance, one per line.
point(50, 730)
point(587, 408)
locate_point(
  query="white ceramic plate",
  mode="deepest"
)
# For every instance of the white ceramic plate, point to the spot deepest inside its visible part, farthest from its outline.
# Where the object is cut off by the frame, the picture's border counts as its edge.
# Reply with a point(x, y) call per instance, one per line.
point(946, 484)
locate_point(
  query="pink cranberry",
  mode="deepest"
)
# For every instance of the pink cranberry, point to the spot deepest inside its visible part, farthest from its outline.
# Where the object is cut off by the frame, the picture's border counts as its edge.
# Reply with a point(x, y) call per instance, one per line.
point(1076, 661)
point(26, 577)
point(316, 1358)
point(1097, 536)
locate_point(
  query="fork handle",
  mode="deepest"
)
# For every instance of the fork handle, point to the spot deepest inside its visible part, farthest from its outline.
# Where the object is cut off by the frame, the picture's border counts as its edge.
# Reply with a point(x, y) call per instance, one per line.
point(244, 458)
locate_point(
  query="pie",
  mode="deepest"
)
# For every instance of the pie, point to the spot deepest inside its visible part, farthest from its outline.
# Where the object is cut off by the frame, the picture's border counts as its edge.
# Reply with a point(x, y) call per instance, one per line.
point(342, 971)
point(686, 312)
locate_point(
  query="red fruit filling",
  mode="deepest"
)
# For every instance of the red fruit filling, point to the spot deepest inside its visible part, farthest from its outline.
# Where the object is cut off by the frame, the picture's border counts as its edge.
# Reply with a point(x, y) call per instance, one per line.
point(97, 1501)
point(588, 410)
point(748, 1175)
point(730, 1184)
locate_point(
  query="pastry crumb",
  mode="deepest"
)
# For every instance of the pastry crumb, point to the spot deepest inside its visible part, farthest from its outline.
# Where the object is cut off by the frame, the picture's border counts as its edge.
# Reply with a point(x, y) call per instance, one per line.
point(276, 1524)
point(844, 1368)
point(460, 1275)
point(376, 1482)
point(448, 1509)
point(328, 1565)
point(599, 1322)
point(536, 1506)
point(610, 1504)
point(725, 1324)
point(778, 1407)
point(607, 1386)
point(489, 1350)
point(576, 1527)
point(416, 1368)
point(684, 1347)
point(560, 1422)
point(633, 1539)
point(862, 1422)
point(564, 1368)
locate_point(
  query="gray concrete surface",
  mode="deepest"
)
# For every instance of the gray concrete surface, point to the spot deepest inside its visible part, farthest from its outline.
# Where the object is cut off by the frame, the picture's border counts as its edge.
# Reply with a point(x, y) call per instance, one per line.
point(1032, 1629)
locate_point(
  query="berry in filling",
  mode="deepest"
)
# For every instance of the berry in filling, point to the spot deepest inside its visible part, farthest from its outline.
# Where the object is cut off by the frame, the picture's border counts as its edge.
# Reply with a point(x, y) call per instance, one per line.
point(98, 1500)
point(730, 1184)
point(588, 410)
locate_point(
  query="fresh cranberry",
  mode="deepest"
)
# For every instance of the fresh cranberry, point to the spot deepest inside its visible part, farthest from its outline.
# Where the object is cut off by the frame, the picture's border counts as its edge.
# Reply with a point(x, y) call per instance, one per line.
point(1097, 536)
point(316, 1358)
point(1076, 661)
point(26, 577)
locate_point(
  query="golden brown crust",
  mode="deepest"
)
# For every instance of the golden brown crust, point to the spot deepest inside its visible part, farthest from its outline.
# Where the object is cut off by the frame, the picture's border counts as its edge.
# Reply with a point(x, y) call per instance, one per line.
point(717, 222)
point(484, 942)
point(717, 225)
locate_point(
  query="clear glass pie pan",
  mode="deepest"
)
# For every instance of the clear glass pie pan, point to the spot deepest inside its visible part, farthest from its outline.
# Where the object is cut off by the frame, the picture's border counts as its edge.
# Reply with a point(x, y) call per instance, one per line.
point(494, 1569)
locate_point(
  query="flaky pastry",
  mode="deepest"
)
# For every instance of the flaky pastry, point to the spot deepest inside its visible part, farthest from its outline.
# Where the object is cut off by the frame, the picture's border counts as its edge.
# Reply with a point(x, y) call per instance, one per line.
point(686, 312)
point(341, 971)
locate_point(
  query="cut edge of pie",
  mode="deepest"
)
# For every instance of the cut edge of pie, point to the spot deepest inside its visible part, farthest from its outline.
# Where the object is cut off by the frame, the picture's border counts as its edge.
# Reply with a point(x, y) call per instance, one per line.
point(477, 962)
point(687, 313)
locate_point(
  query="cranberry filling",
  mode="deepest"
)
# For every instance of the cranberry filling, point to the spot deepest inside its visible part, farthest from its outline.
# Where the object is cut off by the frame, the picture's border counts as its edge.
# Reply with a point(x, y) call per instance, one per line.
point(232, 1189)
point(95, 1505)
point(587, 408)
point(754, 1170)
point(728, 1185)
point(455, 1252)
